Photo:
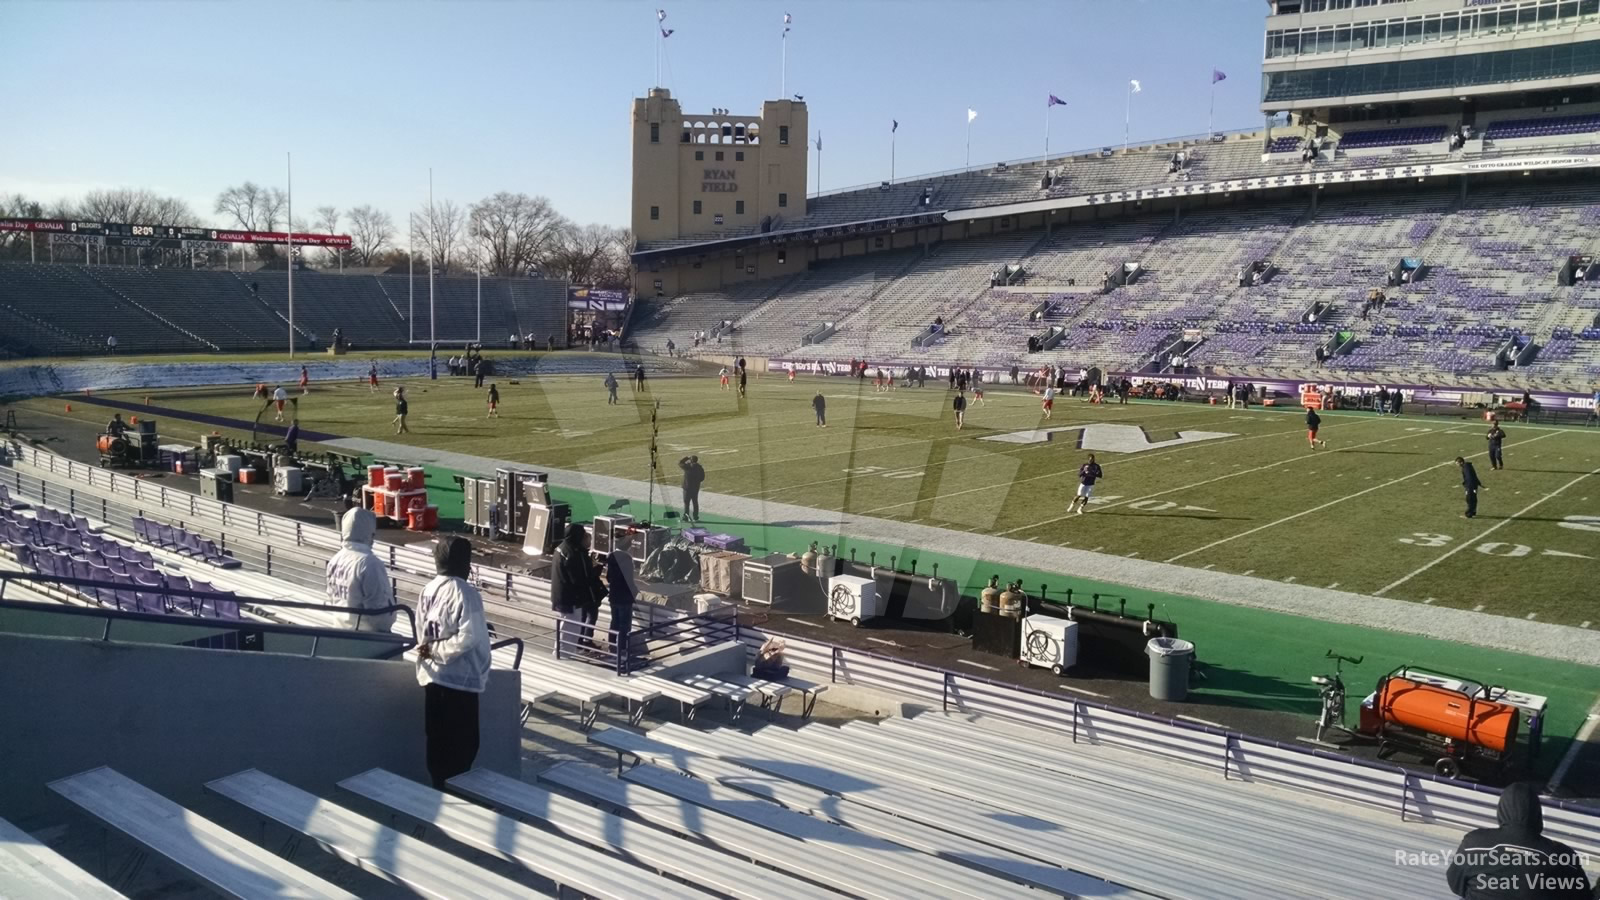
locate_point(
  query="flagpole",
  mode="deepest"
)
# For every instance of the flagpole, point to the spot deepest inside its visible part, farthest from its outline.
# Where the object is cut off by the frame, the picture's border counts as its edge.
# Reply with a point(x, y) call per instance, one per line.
point(433, 325)
point(891, 157)
point(1047, 106)
point(1212, 114)
point(969, 140)
point(783, 77)
point(1127, 118)
point(288, 169)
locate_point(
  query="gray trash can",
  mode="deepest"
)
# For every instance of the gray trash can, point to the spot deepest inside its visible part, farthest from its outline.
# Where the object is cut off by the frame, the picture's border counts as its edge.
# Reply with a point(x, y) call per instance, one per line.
point(1169, 667)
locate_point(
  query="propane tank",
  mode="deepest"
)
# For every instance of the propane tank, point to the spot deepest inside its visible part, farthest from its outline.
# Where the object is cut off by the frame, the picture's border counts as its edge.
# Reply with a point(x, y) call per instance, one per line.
point(827, 562)
point(1011, 600)
point(989, 597)
point(1447, 713)
point(808, 560)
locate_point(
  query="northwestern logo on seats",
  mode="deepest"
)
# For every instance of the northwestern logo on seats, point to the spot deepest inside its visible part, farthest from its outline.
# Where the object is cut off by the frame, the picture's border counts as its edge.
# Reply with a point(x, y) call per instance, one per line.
point(1105, 438)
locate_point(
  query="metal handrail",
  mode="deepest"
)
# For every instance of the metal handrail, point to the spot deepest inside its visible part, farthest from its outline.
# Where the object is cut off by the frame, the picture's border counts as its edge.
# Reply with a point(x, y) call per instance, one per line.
point(243, 601)
point(515, 663)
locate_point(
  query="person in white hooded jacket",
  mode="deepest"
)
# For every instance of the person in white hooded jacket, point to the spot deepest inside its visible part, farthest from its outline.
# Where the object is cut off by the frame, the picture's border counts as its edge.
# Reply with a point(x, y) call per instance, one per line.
point(452, 661)
point(357, 578)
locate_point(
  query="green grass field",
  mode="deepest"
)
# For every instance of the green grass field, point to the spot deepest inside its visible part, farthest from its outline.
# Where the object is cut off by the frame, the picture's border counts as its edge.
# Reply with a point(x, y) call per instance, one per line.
point(1377, 511)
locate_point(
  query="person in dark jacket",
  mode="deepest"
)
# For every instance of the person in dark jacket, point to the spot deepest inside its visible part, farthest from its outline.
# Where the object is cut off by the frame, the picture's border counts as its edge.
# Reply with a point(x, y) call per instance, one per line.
point(694, 475)
point(575, 587)
point(1497, 439)
point(820, 404)
point(1313, 422)
point(1516, 861)
point(621, 589)
point(1470, 484)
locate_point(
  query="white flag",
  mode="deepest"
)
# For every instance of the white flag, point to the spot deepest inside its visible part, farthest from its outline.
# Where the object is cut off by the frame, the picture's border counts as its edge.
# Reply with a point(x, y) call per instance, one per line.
point(971, 114)
point(661, 15)
point(1135, 84)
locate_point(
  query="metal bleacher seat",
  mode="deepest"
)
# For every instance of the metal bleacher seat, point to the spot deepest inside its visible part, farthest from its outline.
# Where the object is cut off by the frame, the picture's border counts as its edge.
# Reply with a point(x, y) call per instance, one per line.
point(817, 863)
point(29, 869)
point(229, 864)
point(378, 849)
point(829, 807)
point(648, 846)
point(570, 865)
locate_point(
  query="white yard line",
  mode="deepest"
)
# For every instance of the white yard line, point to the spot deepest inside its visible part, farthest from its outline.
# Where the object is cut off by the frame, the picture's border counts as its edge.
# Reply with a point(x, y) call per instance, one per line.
point(1320, 507)
point(1262, 468)
point(1486, 532)
point(1576, 748)
point(1078, 690)
point(1202, 722)
point(976, 665)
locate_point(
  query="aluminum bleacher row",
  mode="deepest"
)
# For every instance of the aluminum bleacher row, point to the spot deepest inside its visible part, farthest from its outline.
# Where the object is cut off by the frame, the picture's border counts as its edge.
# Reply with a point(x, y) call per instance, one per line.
point(165, 310)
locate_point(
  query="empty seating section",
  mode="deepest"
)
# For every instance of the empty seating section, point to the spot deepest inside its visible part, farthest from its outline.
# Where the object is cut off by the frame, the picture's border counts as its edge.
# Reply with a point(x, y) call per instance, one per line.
point(679, 319)
point(354, 304)
point(1545, 126)
point(128, 578)
point(84, 312)
point(213, 306)
point(51, 308)
point(1285, 144)
point(830, 292)
point(1391, 137)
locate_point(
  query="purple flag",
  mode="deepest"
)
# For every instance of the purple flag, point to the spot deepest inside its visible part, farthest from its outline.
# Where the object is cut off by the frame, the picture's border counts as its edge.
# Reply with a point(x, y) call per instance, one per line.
point(894, 125)
point(1055, 101)
point(1218, 75)
point(667, 32)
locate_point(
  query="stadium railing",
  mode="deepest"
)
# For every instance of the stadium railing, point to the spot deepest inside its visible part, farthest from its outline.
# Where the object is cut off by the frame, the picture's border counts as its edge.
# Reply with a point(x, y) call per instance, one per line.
point(1414, 796)
point(275, 545)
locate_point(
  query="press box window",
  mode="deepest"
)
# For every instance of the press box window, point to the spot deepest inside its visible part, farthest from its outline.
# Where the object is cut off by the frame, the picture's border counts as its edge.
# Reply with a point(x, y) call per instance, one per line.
point(738, 156)
point(738, 207)
point(699, 156)
point(697, 207)
point(783, 199)
point(655, 132)
point(783, 134)
point(655, 213)
point(783, 257)
point(719, 156)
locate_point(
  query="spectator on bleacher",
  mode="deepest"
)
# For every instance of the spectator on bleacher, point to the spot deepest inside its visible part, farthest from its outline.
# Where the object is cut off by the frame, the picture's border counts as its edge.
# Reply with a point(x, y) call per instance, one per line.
point(671, 347)
point(621, 589)
point(1516, 860)
point(357, 579)
point(452, 661)
point(111, 344)
point(574, 586)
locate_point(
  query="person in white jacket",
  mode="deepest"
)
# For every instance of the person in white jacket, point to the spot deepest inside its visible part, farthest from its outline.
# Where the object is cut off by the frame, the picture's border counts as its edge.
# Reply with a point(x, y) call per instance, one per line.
point(356, 577)
point(452, 661)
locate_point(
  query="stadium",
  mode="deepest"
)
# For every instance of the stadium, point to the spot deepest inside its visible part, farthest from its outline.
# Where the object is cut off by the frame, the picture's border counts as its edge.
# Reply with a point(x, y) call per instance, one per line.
point(1083, 525)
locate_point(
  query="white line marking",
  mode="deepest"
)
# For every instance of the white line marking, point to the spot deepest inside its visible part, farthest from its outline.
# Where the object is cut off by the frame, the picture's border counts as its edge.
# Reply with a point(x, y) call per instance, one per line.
point(1531, 616)
point(1202, 721)
point(1097, 549)
point(1077, 690)
point(1429, 600)
point(1208, 565)
point(1289, 580)
point(1134, 553)
point(882, 641)
point(1488, 531)
point(1248, 571)
point(976, 665)
point(1584, 624)
point(1281, 462)
point(1578, 743)
point(1334, 502)
point(1478, 608)
point(1332, 586)
point(808, 622)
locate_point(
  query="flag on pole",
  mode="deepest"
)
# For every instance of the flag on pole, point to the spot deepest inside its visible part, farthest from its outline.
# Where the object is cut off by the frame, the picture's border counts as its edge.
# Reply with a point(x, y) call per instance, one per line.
point(1218, 75)
point(661, 15)
point(819, 142)
point(1055, 101)
point(1134, 86)
point(894, 125)
point(667, 32)
point(971, 114)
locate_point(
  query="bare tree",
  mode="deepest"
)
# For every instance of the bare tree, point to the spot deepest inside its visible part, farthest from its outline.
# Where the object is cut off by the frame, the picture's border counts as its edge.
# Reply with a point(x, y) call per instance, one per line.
point(591, 254)
point(253, 207)
point(371, 231)
point(327, 222)
point(517, 232)
point(438, 227)
point(135, 206)
point(14, 244)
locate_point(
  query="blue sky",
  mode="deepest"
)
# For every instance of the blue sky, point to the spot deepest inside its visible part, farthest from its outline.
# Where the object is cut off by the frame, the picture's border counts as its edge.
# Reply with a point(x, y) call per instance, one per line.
point(186, 98)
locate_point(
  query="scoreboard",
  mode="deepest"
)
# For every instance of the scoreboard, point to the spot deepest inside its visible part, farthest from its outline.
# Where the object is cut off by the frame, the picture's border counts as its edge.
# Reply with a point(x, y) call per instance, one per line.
point(123, 235)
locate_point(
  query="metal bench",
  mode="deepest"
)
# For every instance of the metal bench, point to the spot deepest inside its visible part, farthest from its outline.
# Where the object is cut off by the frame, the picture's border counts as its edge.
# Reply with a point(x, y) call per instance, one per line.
point(689, 698)
point(639, 842)
point(361, 842)
point(734, 694)
point(587, 685)
point(29, 869)
point(830, 807)
point(811, 862)
point(569, 865)
point(229, 864)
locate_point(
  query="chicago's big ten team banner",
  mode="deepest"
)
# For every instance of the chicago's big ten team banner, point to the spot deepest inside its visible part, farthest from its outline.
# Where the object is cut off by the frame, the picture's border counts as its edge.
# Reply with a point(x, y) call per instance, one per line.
point(596, 300)
point(1412, 392)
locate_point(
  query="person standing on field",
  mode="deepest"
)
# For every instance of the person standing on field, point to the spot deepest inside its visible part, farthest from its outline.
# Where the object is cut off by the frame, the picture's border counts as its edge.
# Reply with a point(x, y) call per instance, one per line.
point(494, 402)
point(960, 406)
point(1049, 400)
point(1088, 474)
point(1471, 485)
point(819, 404)
point(1313, 422)
point(1496, 438)
point(401, 407)
point(611, 389)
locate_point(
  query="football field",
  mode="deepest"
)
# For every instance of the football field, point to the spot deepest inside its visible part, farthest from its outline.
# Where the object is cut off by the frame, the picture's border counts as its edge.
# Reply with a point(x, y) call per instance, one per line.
point(1378, 511)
